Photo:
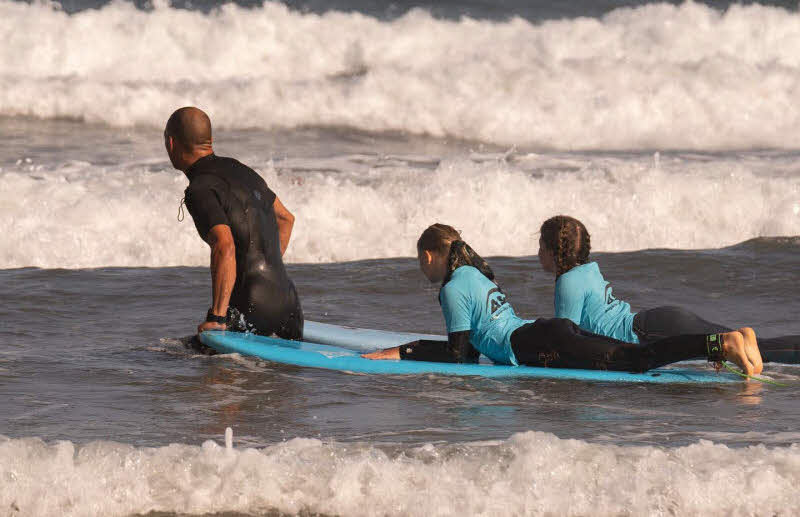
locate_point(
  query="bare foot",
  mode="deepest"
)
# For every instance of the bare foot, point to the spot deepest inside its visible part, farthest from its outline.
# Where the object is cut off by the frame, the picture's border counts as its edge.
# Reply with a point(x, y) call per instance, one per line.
point(733, 349)
point(751, 349)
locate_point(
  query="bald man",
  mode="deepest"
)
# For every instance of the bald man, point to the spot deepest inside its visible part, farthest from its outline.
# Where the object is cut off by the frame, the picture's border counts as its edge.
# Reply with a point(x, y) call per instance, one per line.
point(247, 228)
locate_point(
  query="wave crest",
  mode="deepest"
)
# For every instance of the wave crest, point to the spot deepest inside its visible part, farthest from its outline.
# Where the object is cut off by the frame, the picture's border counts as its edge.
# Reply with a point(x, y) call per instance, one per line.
point(653, 77)
point(80, 215)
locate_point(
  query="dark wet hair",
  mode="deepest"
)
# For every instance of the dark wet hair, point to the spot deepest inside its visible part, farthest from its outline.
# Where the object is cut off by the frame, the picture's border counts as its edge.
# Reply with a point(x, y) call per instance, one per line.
point(569, 241)
point(441, 239)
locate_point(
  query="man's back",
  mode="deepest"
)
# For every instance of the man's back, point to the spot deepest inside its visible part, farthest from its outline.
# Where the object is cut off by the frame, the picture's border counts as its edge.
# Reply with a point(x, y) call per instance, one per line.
point(225, 191)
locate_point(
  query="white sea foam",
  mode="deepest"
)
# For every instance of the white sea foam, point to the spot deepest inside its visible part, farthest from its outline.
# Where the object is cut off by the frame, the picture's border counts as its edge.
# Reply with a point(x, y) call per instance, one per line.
point(655, 77)
point(529, 474)
point(80, 215)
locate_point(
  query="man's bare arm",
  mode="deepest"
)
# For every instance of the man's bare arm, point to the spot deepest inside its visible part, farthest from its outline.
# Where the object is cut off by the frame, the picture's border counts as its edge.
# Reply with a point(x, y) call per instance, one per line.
point(223, 267)
point(285, 223)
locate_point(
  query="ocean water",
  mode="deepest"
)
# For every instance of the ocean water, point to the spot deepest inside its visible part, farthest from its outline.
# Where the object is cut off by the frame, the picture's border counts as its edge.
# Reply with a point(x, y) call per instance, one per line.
point(670, 129)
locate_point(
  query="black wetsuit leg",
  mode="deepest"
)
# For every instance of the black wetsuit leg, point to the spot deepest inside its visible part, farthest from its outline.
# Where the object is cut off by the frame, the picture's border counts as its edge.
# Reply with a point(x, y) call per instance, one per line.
point(784, 349)
point(268, 308)
point(275, 309)
point(560, 343)
point(661, 322)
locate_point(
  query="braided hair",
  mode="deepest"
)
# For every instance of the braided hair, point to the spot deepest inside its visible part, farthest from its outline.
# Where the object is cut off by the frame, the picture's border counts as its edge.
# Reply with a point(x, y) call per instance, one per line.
point(441, 239)
point(569, 241)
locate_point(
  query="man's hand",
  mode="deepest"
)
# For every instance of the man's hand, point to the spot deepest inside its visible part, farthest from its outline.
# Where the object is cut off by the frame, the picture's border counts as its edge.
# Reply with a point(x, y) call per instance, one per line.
point(211, 325)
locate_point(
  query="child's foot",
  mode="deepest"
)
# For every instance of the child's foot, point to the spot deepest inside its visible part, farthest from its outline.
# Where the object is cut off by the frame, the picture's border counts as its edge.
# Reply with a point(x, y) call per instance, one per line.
point(751, 349)
point(733, 349)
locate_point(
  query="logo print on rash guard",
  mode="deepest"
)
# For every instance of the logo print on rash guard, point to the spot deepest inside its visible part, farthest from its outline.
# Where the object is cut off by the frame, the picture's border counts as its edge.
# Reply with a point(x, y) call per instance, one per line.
point(496, 302)
point(611, 302)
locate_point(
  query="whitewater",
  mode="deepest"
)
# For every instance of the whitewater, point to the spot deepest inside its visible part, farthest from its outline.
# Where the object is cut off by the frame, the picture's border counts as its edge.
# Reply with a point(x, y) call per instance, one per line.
point(529, 474)
point(656, 76)
point(360, 206)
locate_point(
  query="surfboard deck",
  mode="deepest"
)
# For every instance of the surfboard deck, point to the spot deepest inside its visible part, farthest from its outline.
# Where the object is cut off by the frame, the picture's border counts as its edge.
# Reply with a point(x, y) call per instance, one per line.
point(356, 338)
point(315, 355)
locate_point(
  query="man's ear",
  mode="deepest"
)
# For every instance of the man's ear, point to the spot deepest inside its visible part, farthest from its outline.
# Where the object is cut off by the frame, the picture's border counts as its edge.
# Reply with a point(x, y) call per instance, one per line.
point(428, 256)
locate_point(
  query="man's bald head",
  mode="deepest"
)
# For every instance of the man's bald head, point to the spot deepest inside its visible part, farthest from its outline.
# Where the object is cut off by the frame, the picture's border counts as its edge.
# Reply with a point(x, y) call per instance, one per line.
point(191, 127)
point(187, 137)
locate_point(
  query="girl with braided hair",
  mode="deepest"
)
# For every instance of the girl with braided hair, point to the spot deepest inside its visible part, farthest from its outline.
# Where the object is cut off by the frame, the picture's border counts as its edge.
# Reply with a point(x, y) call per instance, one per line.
point(585, 297)
point(480, 320)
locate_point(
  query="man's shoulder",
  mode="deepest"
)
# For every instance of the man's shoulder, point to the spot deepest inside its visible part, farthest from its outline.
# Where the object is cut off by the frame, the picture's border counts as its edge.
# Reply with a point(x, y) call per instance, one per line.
point(226, 163)
point(235, 171)
point(214, 165)
point(206, 180)
point(215, 170)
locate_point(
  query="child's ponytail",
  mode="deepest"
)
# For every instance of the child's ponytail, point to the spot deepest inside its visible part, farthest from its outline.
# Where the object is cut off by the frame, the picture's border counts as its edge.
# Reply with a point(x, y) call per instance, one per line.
point(441, 239)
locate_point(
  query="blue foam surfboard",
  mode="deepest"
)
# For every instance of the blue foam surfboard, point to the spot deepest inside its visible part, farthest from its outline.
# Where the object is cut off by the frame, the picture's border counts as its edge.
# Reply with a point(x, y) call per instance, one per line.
point(357, 338)
point(315, 355)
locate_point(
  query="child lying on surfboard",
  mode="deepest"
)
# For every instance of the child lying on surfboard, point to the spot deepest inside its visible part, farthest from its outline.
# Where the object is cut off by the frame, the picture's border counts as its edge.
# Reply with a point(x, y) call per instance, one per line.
point(585, 297)
point(480, 320)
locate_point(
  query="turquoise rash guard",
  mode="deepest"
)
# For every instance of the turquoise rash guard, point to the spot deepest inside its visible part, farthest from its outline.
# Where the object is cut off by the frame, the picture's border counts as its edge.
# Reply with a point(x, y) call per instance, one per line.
point(583, 296)
point(471, 302)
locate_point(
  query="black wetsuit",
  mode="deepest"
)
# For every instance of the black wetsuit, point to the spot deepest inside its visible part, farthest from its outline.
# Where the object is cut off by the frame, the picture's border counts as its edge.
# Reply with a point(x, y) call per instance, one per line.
point(660, 322)
point(559, 343)
point(667, 335)
point(225, 191)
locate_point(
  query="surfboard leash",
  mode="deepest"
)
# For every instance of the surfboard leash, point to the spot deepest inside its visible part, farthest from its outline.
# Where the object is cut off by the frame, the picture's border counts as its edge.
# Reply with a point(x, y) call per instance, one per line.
point(759, 379)
point(715, 355)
